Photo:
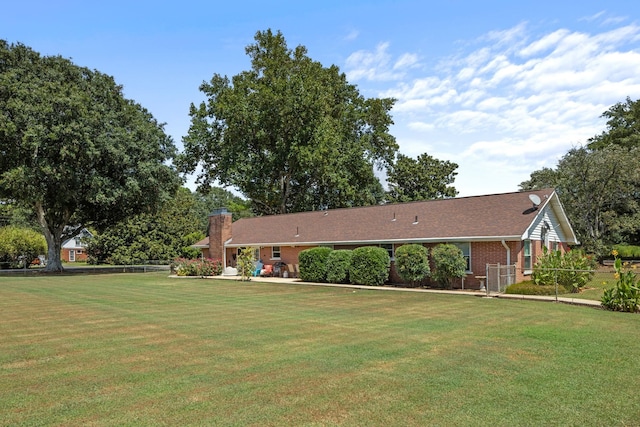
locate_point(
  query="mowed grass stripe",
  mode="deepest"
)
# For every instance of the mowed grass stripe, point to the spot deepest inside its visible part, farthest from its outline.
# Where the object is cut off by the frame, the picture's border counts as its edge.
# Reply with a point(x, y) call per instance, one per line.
point(148, 350)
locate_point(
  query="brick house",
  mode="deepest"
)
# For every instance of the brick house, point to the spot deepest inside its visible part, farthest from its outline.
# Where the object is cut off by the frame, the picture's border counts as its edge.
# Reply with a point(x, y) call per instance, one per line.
point(506, 229)
point(75, 248)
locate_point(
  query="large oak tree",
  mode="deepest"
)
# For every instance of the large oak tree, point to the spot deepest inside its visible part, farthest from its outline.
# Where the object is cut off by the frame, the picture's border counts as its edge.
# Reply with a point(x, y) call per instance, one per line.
point(424, 178)
point(73, 149)
point(623, 126)
point(289, 134)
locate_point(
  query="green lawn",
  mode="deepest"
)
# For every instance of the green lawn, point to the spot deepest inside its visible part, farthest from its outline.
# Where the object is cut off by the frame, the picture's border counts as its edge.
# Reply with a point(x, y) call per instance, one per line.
point(143, 349)
point(594, 290)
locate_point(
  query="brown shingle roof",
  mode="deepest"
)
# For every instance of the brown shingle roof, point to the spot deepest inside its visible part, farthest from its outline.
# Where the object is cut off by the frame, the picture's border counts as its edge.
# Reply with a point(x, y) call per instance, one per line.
point(204, 243)
point(488, 217)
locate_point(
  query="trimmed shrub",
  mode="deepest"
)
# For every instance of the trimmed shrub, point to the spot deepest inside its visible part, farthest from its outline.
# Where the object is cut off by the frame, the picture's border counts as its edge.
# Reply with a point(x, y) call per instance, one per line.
point(448, 263)
point(338, 264)
point(530, 288)
point(627, 251)
point(197, 267)
point(572, 270)
point(412, 263)
point(369, 266)
point(20, 246)
point(313, 264)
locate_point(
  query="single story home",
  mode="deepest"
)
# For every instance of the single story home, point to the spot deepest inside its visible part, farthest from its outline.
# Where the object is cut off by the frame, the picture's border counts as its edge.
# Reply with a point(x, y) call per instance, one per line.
point(75, 248)
point(506, 229)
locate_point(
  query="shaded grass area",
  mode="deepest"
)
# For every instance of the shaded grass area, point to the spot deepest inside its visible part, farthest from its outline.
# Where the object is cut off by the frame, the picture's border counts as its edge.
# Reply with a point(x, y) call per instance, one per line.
point(134, 349)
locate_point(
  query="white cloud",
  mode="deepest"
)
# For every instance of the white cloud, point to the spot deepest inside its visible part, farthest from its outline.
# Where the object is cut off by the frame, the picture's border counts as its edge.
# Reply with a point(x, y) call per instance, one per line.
point(408, 60)
point(517, 102)
point(353, 34)
point(378, 65)
point(593, 17)
point(545, 43)
point(421, 126)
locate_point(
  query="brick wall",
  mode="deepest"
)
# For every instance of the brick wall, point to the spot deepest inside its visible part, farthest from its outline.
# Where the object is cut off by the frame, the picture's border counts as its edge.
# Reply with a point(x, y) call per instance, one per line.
point(482, 253)
point(219, 232)
point(80, 254)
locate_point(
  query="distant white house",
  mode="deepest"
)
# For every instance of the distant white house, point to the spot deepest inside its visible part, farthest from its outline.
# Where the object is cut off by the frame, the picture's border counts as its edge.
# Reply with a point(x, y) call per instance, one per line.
point(75, 248)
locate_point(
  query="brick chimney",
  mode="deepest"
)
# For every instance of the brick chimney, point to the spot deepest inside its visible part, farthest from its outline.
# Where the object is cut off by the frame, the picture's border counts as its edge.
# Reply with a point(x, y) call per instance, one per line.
point(219, 232)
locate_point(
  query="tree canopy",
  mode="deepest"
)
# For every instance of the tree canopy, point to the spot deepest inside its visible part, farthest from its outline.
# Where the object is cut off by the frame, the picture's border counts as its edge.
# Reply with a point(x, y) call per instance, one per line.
point(289, 134)
point(73, 149)
point(167, 234)
point(212, 198)
point(600, 191)
point(623, 126)
point(599, 185)
point(423, 178)
point(161, 236)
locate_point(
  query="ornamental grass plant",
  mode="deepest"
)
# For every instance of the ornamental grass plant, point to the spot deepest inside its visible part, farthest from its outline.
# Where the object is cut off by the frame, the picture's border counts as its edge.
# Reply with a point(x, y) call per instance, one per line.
point(625, 295)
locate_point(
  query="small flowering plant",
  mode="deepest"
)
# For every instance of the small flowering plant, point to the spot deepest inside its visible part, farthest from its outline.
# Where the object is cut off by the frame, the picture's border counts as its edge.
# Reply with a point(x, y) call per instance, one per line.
point(625, 296)
point(197, 267)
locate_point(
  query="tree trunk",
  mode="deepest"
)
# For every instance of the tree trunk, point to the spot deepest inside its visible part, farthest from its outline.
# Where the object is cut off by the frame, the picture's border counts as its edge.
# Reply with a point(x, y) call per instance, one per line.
point(54, 247)
point(54, 241)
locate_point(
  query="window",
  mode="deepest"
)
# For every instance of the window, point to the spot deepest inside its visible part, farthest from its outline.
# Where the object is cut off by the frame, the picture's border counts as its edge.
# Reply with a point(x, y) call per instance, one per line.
point(465, 247)
point(527, 254)
point(256, 253)
point(389, 248)
point(544, 234)
point(275, 252)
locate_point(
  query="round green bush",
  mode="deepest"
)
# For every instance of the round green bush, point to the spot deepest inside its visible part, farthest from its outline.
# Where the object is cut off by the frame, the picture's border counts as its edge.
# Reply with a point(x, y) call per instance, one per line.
point(412, 263)
point(19, 246)
point(448, 263)
point(338, 264)
point(313, 264)
point(369, 266)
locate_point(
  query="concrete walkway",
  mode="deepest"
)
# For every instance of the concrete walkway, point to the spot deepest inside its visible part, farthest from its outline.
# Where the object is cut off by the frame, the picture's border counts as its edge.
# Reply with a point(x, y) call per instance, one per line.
point(293, 281)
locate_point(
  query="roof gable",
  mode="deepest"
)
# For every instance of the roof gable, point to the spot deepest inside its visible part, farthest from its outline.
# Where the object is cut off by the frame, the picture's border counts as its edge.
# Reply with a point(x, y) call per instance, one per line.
point(76, 241)
point(499, 216)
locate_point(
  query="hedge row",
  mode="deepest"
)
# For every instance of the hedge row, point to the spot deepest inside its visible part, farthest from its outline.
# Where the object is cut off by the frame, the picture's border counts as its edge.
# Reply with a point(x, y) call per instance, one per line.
point(627, 252)
point(368, 265)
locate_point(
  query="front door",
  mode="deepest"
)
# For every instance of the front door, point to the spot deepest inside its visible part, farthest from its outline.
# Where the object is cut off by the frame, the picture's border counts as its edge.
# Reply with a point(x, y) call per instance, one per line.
point(72, 255)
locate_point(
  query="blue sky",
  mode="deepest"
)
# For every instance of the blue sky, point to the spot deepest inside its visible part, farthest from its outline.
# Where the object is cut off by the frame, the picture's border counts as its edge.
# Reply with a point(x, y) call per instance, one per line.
point(502, 88)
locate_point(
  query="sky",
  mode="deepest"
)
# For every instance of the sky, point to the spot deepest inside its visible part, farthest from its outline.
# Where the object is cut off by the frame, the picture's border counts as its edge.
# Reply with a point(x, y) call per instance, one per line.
point(501, 88)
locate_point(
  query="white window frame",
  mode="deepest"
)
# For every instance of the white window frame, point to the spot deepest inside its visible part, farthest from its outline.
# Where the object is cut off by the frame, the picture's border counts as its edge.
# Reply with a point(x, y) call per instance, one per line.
point(527, 257)
point(276, 254)
point(467, 256)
